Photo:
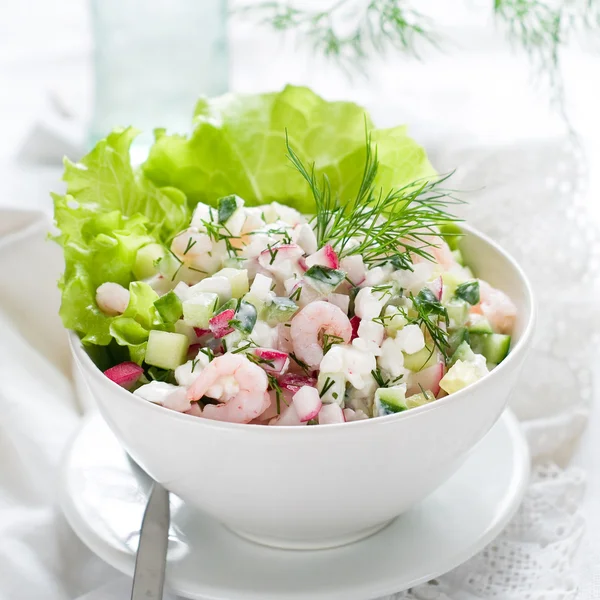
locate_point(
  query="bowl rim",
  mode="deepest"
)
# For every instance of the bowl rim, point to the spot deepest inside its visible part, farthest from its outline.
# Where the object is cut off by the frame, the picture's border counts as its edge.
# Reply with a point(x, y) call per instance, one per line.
point(516, 354)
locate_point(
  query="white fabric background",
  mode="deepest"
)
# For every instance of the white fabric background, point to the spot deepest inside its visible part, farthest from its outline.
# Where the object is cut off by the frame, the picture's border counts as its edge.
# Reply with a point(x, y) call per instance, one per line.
point(475, 101)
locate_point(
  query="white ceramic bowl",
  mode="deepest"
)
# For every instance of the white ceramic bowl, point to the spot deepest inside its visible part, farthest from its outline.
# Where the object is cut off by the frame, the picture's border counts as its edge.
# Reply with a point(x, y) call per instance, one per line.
point(315, 487)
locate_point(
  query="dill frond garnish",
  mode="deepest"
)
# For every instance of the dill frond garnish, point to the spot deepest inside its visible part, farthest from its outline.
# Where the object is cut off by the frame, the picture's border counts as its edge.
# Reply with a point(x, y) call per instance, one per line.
point(381, 227)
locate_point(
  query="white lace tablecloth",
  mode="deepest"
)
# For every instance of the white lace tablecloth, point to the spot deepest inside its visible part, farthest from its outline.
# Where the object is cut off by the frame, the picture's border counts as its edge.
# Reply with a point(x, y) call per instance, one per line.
point(531, 189)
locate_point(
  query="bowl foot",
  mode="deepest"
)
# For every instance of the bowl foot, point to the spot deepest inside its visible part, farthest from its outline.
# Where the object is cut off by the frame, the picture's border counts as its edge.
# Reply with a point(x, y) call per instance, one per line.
point(309, 544)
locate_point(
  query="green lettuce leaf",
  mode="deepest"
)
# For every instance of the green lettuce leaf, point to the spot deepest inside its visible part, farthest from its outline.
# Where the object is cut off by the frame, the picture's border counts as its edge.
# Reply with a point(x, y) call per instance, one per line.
point(109, 211)
point(238, 147)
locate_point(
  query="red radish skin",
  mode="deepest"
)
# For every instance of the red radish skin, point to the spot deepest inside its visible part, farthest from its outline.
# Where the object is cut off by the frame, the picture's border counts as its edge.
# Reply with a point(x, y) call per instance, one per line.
point(200, 332)
point(193, 350)
point(427, 379)
point(355, 322)
point(302, 264)
point(307, 402)
point(279, 361)
point(293, 382)
point(326, 257)
point(437, 287)
point(270, 258)
point(125, 374)
point(331, 413)
point(219, 324)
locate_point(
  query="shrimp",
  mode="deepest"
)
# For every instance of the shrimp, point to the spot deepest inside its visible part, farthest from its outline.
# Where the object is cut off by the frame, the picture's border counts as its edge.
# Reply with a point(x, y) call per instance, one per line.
point(496, 307)
point(311, 324)
point(112, 299)
point(240, 385)
point(439, 251)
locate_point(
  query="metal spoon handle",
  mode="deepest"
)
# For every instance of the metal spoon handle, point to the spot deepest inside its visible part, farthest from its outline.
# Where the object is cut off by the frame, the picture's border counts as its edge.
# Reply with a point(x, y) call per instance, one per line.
point(151, 559)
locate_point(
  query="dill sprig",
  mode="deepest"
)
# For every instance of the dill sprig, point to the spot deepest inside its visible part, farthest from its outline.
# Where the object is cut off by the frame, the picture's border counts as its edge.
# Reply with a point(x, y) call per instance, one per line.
point(381, 227)
point(381, 381)
point(429, 312)
point(349, 33)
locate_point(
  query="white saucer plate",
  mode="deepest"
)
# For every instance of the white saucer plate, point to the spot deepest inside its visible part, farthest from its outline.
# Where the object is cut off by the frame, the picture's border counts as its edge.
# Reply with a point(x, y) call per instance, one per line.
point(104, 495)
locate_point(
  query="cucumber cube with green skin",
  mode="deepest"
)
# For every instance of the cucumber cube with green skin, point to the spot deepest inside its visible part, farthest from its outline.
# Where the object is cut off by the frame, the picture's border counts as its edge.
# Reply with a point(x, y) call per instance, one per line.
point(452, 234)
point(463, 352)
point(458, 257)
point(479, 324)
point(494, 346)
point(455, 338)
point(458, 312)
point(166, 350)
point(394, 319)
point(238, 279)
point(280, 310)
point(245, 318)
point(147, 260)
point(451, 280)
point(390, 400)
point(169, 307)
point(197, 311)
point(427, 357)
point(182, 327)
point(468, 291)
point(331, 387)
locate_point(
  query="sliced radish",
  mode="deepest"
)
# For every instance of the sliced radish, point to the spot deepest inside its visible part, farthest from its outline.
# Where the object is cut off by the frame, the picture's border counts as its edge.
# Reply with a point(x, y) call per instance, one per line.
point(124, 374)
point(427, 379)
point(200, 332)
point(307, 402)
point(274, 258)
point(354, 415)
point(437, 287)
point(293, 382)
point(325, 257)
point(193, 350)
point(288, 417)
point(219, 324)
point(302, 264)
point(355, 322)
point(272, 361)
point(331, 413)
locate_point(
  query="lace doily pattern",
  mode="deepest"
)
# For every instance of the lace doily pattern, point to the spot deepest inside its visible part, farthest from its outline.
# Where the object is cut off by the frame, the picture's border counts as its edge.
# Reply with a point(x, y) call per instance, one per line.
point(531, 199)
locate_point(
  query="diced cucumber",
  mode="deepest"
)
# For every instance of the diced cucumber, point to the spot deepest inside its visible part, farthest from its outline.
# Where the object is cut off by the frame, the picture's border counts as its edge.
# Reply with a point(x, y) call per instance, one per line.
point(479, 324)
point(458, 257)
point(324, 279)
point(166, 350)
point(458, 312)
point(463, 352)
point(451, 280)
point(146, 264)
point(332, 387)
point(390, 400)
point(230, 304)
point(461, 374)
point(182, 327)
point(455, 338)
point(280, 310)
point(245, 317)
point(394, 318)
point(427, 357)
point(238, 280)
point(169, 307)
point(216, 285)
point(494, 346)
point(419, 399)
point(452, 233)
point(468, 291)
point(197, 311)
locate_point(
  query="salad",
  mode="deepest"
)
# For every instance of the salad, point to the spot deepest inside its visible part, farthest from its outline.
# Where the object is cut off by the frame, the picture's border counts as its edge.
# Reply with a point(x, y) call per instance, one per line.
point(335, 293)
